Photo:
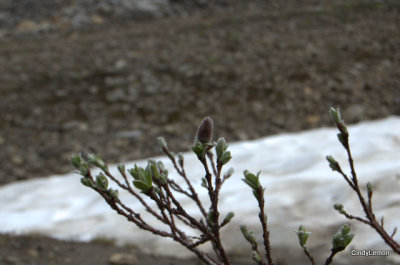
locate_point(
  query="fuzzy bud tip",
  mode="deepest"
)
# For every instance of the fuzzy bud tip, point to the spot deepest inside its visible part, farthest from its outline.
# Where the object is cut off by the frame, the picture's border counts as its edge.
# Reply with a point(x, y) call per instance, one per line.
point(205, 131)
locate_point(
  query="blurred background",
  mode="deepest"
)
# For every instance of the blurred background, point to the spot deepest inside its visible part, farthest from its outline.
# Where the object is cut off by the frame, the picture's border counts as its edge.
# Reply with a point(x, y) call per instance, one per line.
point(109, 76)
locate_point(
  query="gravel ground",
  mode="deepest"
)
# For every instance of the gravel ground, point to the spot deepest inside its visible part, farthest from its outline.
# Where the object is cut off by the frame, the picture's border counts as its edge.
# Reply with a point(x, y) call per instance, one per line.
point(113, 85)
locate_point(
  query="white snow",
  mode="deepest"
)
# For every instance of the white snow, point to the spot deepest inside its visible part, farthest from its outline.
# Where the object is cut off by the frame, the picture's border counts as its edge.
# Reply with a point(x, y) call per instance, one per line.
point(300, 189)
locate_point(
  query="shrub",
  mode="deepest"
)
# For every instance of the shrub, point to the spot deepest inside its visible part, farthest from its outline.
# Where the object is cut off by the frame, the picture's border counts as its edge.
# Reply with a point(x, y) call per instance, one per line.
point(154, 182)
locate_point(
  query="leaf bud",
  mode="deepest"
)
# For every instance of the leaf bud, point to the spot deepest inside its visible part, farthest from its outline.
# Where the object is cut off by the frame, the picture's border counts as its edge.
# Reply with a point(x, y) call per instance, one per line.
point(205, 131)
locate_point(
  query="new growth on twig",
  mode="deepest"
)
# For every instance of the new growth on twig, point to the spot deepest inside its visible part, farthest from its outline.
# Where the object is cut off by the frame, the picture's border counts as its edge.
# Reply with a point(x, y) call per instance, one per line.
point(369, 219)
point(153, 182)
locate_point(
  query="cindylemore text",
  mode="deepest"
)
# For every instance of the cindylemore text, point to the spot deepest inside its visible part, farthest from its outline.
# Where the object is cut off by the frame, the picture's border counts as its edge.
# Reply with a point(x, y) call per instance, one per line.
point(370, 252)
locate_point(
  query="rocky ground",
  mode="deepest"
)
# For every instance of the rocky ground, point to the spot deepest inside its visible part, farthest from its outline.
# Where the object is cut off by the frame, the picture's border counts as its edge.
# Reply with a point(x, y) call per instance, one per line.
point(110, 82)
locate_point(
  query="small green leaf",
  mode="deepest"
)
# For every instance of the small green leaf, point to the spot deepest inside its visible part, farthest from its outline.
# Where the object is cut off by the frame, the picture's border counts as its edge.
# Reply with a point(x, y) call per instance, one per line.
point(335, 114)
point(87, 182)
point(141, 186)
point(101, 181)
point(121, 169)
point(162, 142)
point(220, 148)
point(199, 149)
point(342, 238)
point(228, 217)
point(84, 169)
point(113, 193)
point(154, 172)
point(97, 161)
point(333, 164)
point(76, 161)
point(142, 174)
point(160, 166)
point(148, 175)
point(251, 179)
point(134, 172)
point(248, 235)
point(226, 157)
point(302, 235)
point(229, 173)
point(164, 178)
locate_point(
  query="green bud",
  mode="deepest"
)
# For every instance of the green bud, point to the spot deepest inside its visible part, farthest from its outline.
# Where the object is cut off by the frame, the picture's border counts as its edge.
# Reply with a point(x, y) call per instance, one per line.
point(342, 238)
point(101, 181)
point(335, 114)
point(338, 207)
point(121, 169)
point(162, 142)
point(342, 139)
point(84, 169)
point(161, 166)
point(180, 159)
point(226, 157)
point(333, 164)
point(113, 193)
point(256, 257)
point(87, 182)
point(369, 189)
point(199, 149)
point(163, 178)
point(204, 183)
point(97, 161)
point(220, 148)
point(228, 217)
point(345, 229)
point(302, 235)
point(229, 173)
point(76, 161)
point(248, 235)
point(251, 179)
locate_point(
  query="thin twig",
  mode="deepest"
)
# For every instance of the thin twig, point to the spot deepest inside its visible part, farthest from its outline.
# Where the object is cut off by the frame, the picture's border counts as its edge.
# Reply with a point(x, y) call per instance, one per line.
point(267, 245)
point(213, 194)
point(308, 255)
point(352, 217)
point(368, 210)
point(330, 258)
point(181, 171)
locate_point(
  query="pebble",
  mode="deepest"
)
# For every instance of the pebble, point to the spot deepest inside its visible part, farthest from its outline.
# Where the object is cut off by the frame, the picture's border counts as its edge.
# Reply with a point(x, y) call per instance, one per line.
point(72, 125)
point(33, 253)
point(16, 160)
point(129, 134)
point(123, 259)
point(12, 260)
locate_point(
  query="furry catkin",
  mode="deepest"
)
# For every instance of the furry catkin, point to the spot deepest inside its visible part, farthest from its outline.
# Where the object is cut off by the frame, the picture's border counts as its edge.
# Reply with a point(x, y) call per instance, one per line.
point(204, 133)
